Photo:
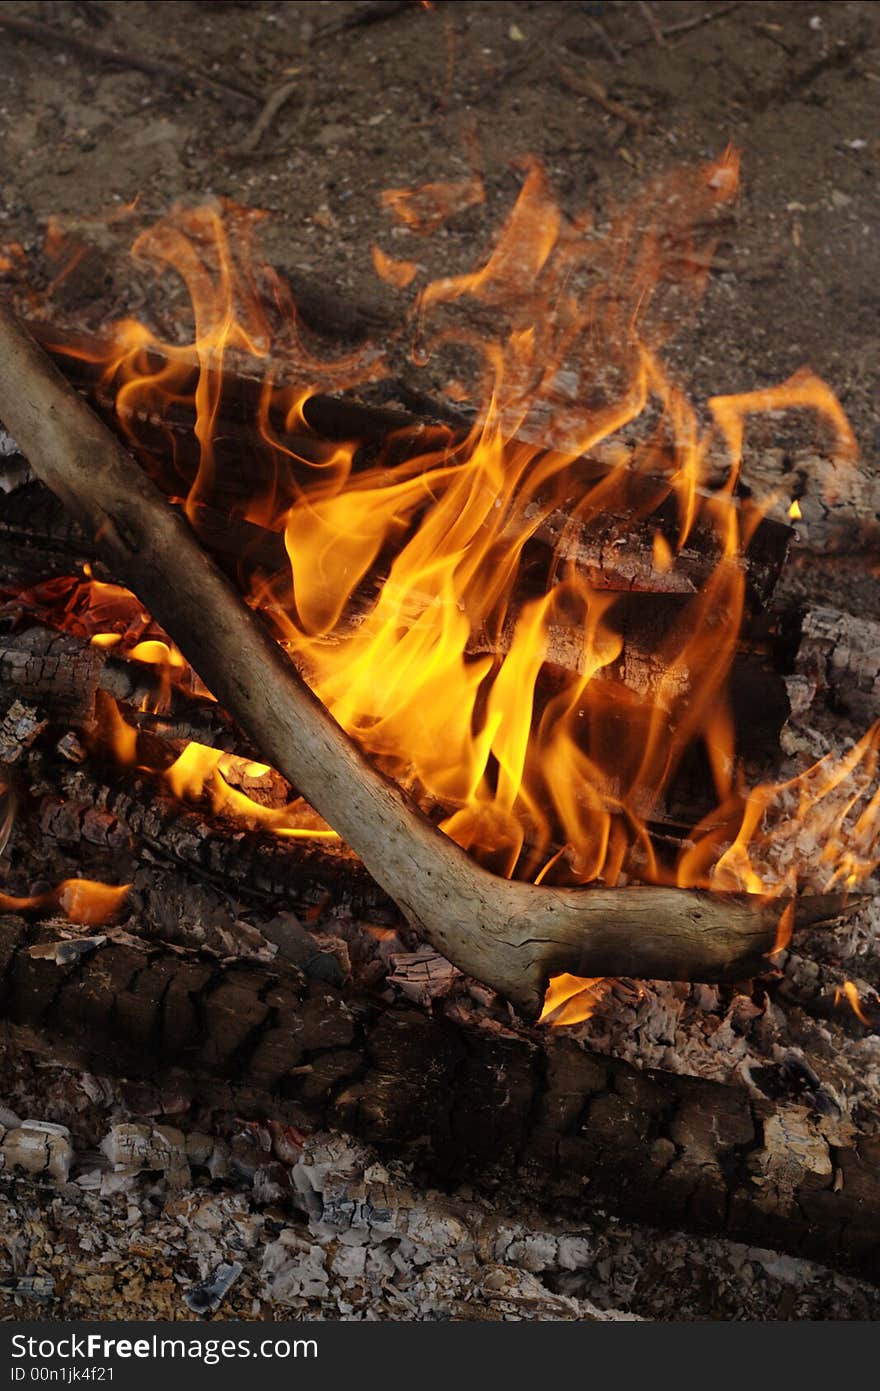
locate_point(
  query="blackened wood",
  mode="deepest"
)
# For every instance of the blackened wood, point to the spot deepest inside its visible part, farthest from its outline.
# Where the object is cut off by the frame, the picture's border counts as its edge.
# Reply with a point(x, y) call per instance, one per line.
point(122, 817)
point(467, 1102)
point(61, 674)
point(837, 495)
point(55, 671)
point(838, 661)
point(829, 992)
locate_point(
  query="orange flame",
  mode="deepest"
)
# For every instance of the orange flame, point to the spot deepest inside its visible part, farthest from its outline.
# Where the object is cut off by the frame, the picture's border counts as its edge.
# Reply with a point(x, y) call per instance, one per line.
point(572, 999)
point(850, 991)
point(199, 768)
point(80, 901)
point(396, 273)
point(425, 209)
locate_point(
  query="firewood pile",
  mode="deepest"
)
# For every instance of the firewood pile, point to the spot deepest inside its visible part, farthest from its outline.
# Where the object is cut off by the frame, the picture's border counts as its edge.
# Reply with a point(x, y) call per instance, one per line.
point(275, 1071)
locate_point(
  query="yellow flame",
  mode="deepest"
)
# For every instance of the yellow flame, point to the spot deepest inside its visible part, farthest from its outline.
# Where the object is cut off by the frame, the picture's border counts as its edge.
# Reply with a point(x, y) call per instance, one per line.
point(199, 769)
point(571, 999)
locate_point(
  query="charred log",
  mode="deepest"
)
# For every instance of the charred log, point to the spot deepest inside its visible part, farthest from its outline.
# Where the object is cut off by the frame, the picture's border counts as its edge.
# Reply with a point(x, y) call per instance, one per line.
point(62, 674)
point(33, 525)
point(116, 820)
point(488, 1105)
point(513, 936)
point(837, 663)
point(828, 992)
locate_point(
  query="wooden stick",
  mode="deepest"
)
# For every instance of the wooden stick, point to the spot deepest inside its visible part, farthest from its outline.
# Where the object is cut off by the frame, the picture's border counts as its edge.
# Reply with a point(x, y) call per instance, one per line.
point(587, 86)
point(122, 58)
point(695, 22)
point(512, 936)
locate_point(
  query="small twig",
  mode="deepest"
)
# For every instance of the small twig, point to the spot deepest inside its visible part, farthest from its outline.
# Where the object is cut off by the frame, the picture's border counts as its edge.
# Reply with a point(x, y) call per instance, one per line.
point(589, 87)
point(122, 58)
point(356, 19)
point(605, 39)
point(653, 23)
point(768, 31)
point(274, 102)
point(838, 57)
point(695, 22)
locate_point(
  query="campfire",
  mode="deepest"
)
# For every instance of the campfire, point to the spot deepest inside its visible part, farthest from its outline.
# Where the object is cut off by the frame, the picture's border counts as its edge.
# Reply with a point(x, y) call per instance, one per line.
point(501, 656)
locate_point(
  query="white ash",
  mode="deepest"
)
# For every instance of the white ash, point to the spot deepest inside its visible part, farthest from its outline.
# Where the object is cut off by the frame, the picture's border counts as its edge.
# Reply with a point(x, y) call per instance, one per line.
point(36, 1147)
point(355, 1240)
point(733, 1038)
point(422, 975)
point(20, 727)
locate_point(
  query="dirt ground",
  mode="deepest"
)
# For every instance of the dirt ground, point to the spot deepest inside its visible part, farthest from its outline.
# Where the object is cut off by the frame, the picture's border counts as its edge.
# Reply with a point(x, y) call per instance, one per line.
point(432, 92)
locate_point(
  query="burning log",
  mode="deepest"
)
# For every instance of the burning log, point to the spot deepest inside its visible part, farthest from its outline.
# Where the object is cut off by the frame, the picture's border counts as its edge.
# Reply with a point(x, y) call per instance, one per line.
point(568, 1126)
point(62, 674)
point(511, 935)
point(614, 550)
point(40, 540)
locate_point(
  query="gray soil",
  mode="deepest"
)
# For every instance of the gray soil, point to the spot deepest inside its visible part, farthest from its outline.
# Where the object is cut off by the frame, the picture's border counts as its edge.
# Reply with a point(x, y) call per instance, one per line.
point(430, 93)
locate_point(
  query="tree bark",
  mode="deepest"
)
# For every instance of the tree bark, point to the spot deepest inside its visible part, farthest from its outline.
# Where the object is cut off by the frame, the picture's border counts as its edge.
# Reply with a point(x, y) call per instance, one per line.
point(468, 1102)
point(838, 662)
